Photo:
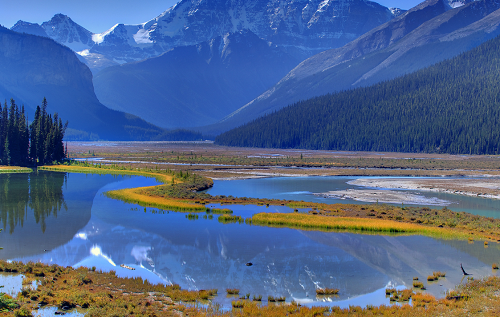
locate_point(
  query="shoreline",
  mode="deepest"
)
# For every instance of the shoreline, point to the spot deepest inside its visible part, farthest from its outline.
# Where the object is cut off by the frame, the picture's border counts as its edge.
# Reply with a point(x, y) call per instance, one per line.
point(318, 213)
point(463, 186)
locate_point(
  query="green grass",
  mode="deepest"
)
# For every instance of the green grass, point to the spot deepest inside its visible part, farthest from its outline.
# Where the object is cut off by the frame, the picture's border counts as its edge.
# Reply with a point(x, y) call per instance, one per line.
point(14, 169)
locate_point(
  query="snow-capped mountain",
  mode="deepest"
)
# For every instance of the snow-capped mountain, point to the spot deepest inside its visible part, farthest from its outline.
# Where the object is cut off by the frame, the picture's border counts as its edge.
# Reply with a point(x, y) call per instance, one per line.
point(197, 84)
point(61, 29)
point(303, 27)
point(424, 35)
point(64, 31)
point(34, 67)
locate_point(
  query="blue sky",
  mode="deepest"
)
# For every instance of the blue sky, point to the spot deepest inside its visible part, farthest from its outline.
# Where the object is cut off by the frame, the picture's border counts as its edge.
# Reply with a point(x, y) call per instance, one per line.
point(99, 15)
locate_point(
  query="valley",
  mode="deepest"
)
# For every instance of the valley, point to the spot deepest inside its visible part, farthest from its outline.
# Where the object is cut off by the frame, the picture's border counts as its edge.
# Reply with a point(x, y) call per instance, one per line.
point(252, 158)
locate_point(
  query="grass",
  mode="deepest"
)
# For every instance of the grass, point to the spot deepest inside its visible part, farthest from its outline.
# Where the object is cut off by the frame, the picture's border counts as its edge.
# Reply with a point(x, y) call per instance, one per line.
point(230, 219)
point(272, 299)
point(105, 294)
point(182, 193)
point(219, 211)
point(77, 167)
point(327, 291)
point(101, 294)
point(14, 169)
point(306, 221)
point(232, 291)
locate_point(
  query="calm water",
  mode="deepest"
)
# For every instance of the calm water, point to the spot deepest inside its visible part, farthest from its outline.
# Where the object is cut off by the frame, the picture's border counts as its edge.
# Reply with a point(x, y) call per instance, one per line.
point(305, 188)
point(64, 218)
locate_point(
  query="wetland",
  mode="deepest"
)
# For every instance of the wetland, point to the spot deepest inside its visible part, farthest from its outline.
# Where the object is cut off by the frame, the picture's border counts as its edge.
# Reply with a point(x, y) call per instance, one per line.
point(67, 219)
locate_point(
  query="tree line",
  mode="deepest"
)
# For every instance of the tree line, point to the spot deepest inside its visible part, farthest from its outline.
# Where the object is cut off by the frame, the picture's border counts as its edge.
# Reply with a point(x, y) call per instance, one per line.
point(450, 107)
point(23, 144)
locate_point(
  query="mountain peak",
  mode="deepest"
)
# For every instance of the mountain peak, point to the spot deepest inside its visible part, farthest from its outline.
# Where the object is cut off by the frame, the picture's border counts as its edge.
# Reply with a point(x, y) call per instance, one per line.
point(29, 28)
point(65, 31)
point(303, 26)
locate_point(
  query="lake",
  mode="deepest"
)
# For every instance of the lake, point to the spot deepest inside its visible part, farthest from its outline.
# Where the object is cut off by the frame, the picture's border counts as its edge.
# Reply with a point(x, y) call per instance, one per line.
point(64, 218)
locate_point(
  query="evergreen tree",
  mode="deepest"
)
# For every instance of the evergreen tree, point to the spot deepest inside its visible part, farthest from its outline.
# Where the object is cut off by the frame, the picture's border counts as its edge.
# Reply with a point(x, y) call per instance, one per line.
point(39, 143)
point(451, 107)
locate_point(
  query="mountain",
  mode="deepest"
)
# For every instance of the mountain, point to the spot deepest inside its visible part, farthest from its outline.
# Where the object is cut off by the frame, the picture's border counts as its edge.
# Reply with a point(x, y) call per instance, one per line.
point(302, 27)
point(61, 29)
point(428, 33)
point(29, 28)
point(451, 107)
point(195, 85)
point(34, 67)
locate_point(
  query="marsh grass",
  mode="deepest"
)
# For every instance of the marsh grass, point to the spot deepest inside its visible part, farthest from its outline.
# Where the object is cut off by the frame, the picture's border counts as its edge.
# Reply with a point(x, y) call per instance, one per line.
point(238, 304)
point(439, 274)
point(219, 211)
point(104, 294)
point(224, 218)
point(232, 291)
point(181, 193)
point(327, 291)
point(273, 299)
point(14, 169)
point(257, 298)
point(432, 278)
point(100, 293)
point(305, 221)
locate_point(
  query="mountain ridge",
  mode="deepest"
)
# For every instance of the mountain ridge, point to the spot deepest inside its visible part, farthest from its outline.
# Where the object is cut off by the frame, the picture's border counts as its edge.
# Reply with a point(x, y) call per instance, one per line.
point(371, 60)
point(302, 27)
point(451, 107)
point(34, 67)
point(192, 85)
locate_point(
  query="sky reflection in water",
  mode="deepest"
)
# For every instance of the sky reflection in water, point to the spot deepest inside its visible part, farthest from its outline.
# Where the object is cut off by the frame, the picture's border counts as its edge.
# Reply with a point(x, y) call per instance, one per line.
point(202, 254)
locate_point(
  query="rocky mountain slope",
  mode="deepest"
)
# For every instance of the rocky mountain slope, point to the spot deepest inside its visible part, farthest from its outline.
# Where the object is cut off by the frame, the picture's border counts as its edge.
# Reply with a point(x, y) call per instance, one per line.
point(426, 34)
point(34, 67)
point(195, 85)
point(450, 107)
point(303, 27)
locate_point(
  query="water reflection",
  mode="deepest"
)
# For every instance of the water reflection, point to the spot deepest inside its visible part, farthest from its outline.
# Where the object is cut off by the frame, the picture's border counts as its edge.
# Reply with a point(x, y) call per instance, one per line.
point(93, 230)
point(42, 194)
point(43, 210)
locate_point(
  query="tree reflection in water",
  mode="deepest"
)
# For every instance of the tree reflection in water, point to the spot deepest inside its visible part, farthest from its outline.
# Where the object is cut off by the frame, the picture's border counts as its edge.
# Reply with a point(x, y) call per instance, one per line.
point(19, 193)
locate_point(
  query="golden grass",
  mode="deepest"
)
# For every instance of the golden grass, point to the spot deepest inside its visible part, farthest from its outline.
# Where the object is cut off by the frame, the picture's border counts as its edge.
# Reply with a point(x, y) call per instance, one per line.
point(15, 169)
point(374, 219)
point(314, 222)
point(161, 177)
point(327, 291)
point(140, 197)
point(104, 294)
point(134, 195)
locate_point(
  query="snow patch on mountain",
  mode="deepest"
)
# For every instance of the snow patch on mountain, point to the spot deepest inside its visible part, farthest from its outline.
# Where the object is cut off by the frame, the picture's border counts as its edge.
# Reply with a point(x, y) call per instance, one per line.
point(452, 4)
point(63, 30)
point(305, 27)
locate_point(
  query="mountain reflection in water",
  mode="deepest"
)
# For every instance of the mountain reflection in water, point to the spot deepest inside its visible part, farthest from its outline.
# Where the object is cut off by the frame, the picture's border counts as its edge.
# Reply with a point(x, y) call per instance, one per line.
point(205, 254)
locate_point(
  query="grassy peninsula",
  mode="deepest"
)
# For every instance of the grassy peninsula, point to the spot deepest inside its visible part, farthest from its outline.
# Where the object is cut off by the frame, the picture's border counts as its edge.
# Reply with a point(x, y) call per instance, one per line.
point(182, 191)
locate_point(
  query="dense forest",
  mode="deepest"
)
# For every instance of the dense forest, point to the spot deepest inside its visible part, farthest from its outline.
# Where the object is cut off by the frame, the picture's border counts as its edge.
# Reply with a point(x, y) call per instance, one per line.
point(35, 144)
point(450, 107)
